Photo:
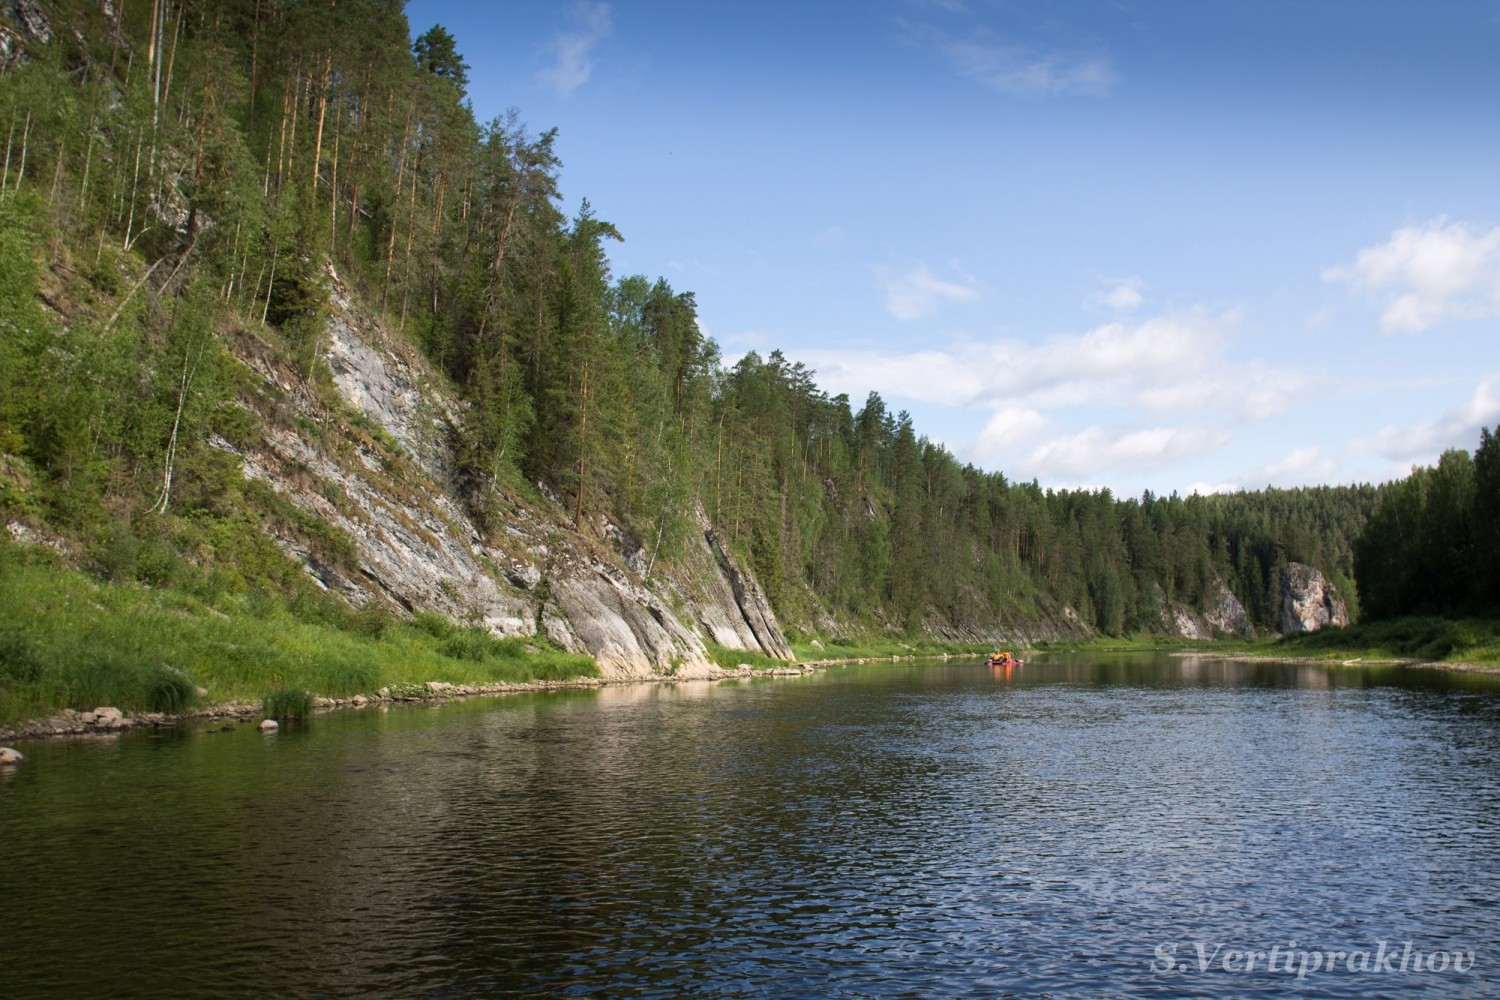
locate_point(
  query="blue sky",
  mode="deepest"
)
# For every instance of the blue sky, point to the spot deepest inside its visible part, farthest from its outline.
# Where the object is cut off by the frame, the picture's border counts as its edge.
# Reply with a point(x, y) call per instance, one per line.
point(1143, 245)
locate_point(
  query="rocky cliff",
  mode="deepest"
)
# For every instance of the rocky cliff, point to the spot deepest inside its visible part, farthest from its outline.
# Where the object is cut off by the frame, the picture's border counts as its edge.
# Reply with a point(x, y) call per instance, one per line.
point(1222, 614)
point(1308, 601)
point(369, 459)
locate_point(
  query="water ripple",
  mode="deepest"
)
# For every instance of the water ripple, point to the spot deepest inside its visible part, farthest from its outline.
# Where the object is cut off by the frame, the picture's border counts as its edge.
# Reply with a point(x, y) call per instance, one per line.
point(893, 831)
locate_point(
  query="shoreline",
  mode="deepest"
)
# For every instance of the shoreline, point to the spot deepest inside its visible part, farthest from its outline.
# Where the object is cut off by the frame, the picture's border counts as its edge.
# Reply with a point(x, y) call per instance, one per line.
point(1357, 661)
point(106, 721)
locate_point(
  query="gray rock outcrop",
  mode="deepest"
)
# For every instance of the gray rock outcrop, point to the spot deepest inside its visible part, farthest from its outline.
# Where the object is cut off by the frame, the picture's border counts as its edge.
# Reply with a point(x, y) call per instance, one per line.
point(1308, 601)
point(374, 467)
point(1222, 613)
point(755, 626)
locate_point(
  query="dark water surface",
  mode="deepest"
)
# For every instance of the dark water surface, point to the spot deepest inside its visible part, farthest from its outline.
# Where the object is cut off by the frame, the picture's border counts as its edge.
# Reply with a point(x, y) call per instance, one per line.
point(893, 830)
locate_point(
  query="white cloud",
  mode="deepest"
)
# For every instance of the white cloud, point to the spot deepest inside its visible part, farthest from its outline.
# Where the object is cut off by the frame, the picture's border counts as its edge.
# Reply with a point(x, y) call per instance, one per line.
point(1430, 274)
point(1027, 72)
point(1124, 294)
point(1172, 364)
point(1153, 390)
point(1300, 467)
point(1095, 449)
point(574, 49)
point(1458, 427)
point(1011, 425)
point(918, 292)
point(1208, 489)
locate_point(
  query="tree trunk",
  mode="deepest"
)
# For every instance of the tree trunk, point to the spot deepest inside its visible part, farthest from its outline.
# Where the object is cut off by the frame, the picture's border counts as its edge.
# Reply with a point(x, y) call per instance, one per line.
point(322, 111)
point(583, 443)
point(390, 246)
point(333, 185)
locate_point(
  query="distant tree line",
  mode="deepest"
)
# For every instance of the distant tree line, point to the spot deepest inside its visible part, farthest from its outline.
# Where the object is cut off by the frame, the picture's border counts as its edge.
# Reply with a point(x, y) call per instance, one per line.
point(1432, 544)
point(186, 172)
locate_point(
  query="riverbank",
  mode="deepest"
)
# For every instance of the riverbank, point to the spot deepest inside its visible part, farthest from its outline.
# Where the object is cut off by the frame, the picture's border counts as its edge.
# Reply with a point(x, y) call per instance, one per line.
point(109, 720)
point(69, 640)
point(1470, 645)
point(1331, 662)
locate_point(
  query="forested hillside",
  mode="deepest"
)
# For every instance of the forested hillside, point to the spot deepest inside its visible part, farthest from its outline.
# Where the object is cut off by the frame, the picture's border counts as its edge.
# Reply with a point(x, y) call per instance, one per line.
point(1432, 546)
point(177, 175)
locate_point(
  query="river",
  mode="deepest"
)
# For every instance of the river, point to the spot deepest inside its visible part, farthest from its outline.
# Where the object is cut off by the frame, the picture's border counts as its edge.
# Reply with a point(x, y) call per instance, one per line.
point(1103, 825)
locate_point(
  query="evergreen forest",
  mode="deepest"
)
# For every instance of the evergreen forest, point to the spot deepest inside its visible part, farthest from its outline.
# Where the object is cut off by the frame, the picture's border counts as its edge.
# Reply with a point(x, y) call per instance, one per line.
point(179, 175)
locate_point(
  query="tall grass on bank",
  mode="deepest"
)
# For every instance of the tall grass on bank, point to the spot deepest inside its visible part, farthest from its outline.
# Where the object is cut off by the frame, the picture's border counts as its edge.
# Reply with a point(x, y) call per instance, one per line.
point(1465, 640)
point(69, 640)
point(729, 659)
point(867, 648)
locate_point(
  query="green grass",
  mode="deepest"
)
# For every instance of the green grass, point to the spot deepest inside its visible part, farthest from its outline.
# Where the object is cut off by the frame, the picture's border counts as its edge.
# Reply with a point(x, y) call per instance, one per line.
point(729, 659)
point(287, 704)
point(877, 647)
point(1441, 640)
point(68, 640)
point(1149, 642)
point(1445, 640)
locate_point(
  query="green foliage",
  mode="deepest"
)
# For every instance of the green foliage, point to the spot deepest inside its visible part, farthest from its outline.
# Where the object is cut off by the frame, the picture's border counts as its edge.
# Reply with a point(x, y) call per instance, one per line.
point(1454, 640)
point(1432, 544)
point(67, 639)
point(299, 140)
point(729, 659)
point(287, 704)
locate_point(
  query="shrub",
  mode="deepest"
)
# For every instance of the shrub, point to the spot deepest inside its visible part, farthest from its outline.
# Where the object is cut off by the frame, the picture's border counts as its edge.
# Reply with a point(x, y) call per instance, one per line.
point(169, 690)
point(287, 704)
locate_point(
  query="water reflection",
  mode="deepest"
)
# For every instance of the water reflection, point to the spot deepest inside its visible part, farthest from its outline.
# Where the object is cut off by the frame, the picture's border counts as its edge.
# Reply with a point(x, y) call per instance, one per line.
point(879, 830)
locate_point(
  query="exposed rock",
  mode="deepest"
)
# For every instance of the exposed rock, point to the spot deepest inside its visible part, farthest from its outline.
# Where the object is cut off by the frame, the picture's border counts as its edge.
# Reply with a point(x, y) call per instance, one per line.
point(1308, 601)
point(1224, 611)
point(626, 627)
point(1181, 620)
point(415, 546)
point(268, 725)
point(755, 613)
point(11, 756)
point(387, 390)
point(29, 534)
point(31, 19)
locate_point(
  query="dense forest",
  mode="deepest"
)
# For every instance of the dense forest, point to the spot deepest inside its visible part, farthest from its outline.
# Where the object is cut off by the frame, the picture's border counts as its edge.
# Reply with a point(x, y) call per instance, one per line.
point(178, 173)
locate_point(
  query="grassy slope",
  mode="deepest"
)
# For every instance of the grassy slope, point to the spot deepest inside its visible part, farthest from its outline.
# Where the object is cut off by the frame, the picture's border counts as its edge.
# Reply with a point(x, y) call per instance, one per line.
point(69, 640)
point(1441, 640)
point(1436, 640)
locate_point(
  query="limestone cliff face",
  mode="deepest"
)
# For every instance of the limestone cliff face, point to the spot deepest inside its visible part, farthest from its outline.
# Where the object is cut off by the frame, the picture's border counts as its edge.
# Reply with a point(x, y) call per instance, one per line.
point(1224, 612)
point(373, 463)
point(755, 625)
point(1308, 601)
point(1221, 614)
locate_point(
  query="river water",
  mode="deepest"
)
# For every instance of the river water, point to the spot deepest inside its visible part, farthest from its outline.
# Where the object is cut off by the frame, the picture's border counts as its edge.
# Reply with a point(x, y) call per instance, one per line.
point(1086, 825)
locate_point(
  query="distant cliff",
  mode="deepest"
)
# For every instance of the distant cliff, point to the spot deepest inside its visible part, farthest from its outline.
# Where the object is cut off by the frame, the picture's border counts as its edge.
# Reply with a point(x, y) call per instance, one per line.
point(1308, 601)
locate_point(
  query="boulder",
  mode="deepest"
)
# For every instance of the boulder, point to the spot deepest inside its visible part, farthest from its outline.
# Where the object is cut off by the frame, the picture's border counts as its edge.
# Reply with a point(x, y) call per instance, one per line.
point(269, 725)
point(10, 755)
